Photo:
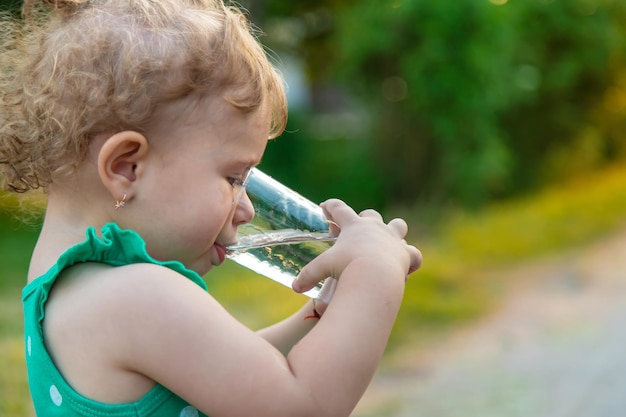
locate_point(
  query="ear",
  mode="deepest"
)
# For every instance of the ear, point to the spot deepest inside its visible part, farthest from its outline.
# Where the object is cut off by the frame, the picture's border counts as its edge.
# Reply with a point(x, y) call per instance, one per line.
point(121, 161)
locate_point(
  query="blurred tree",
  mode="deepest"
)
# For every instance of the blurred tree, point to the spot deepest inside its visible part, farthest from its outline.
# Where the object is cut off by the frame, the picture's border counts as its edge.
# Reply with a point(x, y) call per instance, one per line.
point(464, 100)
point(432, 72)
point(473, 96)
point(575, 51)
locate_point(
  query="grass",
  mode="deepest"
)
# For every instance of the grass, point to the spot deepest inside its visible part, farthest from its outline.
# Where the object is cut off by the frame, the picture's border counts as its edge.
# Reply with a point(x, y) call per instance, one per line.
point(16, 243)
point(451, 287)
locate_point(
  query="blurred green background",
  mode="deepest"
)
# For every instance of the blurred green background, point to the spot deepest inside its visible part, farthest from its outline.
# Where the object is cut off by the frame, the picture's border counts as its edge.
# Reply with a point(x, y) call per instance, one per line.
point(497, 128)
point(446, 102)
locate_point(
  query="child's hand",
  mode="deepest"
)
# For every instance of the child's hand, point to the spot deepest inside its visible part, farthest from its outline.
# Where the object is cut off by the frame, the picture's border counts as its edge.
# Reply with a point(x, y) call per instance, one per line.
point(361, 236)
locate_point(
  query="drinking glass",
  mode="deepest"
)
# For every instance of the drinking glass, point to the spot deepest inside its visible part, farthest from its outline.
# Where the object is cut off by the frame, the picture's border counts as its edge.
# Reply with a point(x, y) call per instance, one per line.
point(286, 233)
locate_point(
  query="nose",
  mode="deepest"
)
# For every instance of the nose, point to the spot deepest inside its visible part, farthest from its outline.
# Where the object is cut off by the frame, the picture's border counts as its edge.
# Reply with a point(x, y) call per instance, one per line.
point(244, 210)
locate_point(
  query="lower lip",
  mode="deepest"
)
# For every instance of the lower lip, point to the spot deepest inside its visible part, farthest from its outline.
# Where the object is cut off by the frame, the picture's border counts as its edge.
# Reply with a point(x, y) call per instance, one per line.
point(221, 253)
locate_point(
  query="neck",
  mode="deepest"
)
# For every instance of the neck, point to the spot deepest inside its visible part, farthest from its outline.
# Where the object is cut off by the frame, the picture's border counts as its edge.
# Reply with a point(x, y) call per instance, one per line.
point(64, 226)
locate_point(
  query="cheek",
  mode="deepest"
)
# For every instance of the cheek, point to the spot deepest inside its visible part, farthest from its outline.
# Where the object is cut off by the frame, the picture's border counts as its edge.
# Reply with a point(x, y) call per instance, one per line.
point(209, 214)
point(216, 202)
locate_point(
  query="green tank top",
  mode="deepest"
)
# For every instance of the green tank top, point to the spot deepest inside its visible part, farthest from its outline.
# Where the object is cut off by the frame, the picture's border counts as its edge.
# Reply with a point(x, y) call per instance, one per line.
point(52, 395)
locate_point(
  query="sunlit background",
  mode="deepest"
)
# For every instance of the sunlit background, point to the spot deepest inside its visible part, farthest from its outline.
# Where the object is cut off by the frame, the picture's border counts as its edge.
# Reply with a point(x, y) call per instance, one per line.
point(497, 128)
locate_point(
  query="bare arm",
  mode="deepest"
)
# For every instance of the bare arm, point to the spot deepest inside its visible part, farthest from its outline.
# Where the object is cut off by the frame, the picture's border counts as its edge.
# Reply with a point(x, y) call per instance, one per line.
point(285, 334)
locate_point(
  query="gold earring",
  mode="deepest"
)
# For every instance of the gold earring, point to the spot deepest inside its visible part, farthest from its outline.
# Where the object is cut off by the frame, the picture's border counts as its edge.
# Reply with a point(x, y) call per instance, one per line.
point(120, 204)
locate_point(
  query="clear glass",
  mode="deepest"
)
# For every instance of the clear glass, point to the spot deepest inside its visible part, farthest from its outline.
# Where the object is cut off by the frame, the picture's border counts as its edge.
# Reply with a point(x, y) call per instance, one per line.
point(287, 232)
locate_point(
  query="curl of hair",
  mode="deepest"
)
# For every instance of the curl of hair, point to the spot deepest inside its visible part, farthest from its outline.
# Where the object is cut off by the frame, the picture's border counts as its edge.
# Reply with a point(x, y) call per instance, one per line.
point(60, 6)
point(72, 69)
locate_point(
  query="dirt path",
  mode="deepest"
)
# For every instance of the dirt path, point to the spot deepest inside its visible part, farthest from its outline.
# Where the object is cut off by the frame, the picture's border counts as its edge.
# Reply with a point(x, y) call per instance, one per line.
point(555, 348)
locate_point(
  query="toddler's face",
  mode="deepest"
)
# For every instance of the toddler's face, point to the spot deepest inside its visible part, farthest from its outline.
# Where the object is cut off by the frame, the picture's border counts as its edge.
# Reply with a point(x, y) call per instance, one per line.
point(193, 180)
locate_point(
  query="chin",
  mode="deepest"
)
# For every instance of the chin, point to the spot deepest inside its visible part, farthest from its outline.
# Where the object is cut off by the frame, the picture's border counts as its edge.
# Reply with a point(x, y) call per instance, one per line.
point(205, 269)
point(201, 266)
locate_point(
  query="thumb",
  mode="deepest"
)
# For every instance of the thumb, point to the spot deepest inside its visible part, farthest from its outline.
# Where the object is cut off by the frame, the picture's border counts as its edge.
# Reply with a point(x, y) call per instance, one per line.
point(315, 271)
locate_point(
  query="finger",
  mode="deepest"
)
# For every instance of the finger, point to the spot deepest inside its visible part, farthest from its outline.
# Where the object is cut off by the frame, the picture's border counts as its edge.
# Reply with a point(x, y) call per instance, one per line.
point(312, 273)
point(337, 211)
point(334, 228)
point(416, 259)
point(325, 295)
point(372, 214)
point(399, 226)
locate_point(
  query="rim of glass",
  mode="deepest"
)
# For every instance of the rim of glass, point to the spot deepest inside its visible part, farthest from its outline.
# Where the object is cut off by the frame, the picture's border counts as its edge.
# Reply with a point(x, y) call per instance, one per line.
point(242, 187)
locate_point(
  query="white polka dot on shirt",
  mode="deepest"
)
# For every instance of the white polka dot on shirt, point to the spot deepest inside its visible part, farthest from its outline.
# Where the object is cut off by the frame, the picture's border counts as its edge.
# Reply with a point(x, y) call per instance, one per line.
point(55, 396)
point(189, 411)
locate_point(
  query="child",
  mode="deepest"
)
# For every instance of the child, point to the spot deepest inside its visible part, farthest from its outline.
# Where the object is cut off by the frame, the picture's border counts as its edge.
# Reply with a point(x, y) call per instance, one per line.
point(140, 120)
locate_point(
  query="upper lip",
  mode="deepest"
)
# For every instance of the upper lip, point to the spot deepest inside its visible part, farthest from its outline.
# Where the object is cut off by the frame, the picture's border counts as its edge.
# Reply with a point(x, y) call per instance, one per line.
point(225, 246)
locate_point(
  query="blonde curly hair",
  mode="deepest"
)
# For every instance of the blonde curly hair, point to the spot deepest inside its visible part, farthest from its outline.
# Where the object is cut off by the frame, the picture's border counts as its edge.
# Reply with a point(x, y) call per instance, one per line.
point(72, 69)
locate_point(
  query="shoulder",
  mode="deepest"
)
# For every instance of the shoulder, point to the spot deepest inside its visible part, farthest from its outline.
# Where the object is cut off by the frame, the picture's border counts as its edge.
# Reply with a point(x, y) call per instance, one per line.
point(97, 284)
point(96, 293)
point(112, 307)
point(103, 302)
point(125, 310)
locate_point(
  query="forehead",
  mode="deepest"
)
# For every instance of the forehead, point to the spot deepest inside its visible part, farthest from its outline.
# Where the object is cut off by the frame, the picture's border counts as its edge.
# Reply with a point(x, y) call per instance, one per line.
point(207, 111)
point(215, 124)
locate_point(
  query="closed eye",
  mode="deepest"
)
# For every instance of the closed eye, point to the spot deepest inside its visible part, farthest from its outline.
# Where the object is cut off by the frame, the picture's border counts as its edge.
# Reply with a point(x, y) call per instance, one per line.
point(236, 182)
point(242, 180)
